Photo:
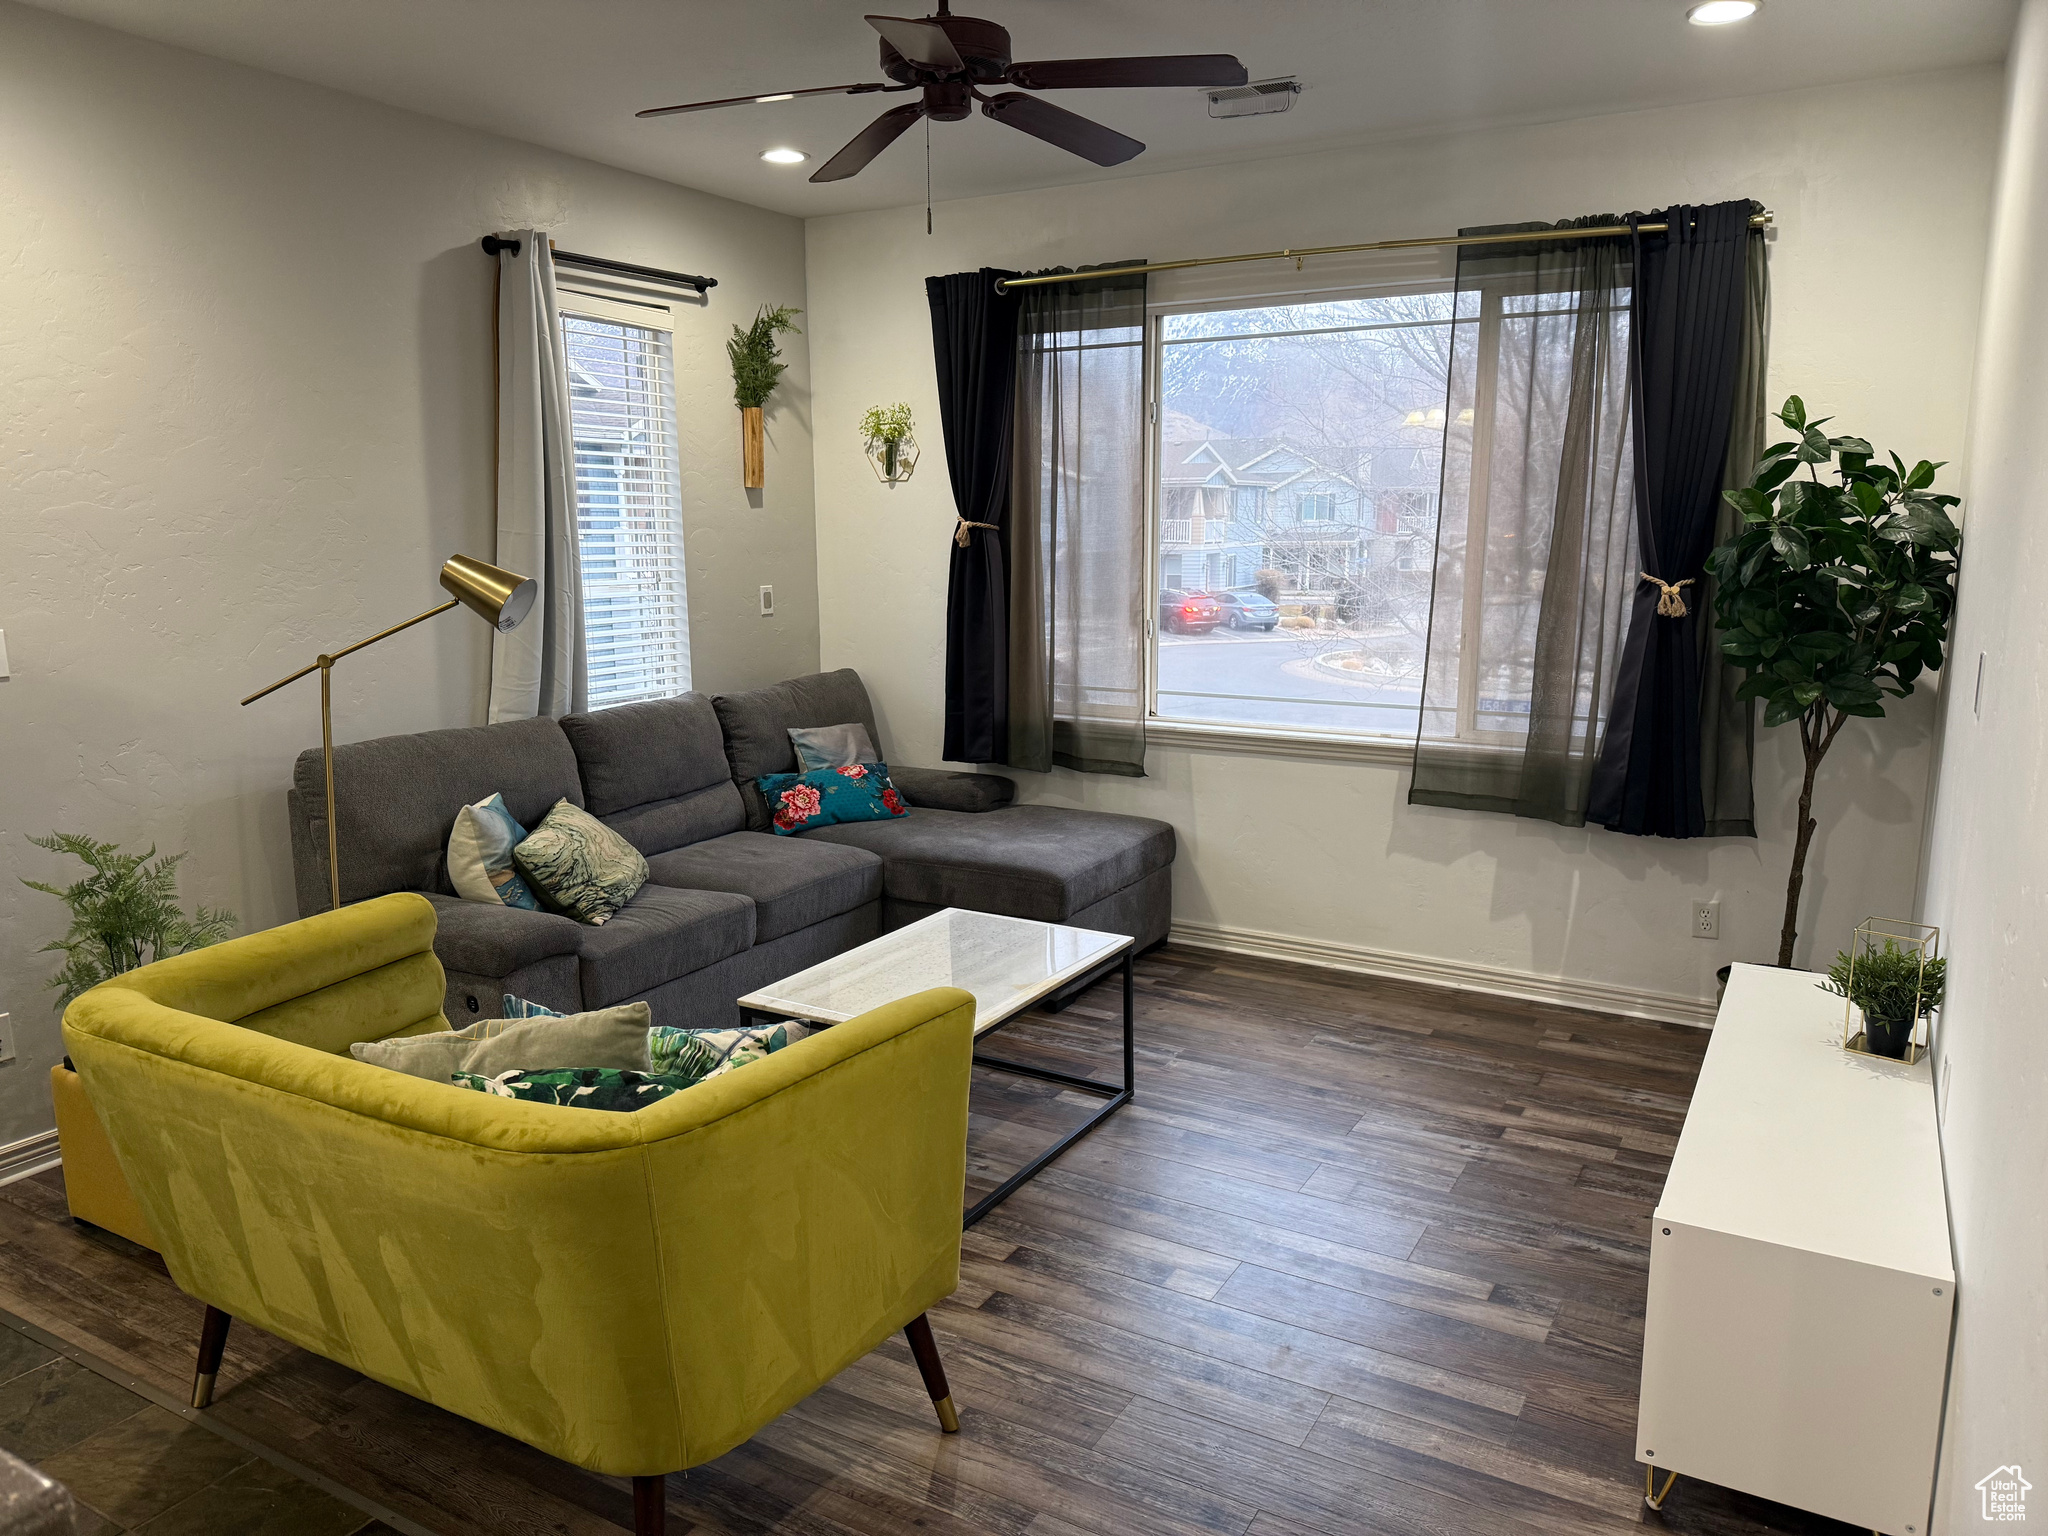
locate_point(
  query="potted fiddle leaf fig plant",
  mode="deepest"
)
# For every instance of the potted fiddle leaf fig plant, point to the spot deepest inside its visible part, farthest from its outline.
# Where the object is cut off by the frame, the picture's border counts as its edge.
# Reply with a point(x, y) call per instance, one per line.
point(891, 449)
point(1835, 596)
point(124, 913)
point(757, 367)
point(1893, 988)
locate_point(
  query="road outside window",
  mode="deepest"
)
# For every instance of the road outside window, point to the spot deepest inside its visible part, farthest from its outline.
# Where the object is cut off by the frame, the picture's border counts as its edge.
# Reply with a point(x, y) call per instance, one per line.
point(1300, 459)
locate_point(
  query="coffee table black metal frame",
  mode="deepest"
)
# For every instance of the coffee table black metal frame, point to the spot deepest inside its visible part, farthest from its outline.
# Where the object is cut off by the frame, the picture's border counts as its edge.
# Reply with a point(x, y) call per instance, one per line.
point(1117, 1096)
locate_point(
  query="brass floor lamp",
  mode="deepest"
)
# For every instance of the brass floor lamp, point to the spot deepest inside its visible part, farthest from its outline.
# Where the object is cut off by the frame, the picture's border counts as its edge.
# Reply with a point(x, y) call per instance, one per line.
point(498, 596)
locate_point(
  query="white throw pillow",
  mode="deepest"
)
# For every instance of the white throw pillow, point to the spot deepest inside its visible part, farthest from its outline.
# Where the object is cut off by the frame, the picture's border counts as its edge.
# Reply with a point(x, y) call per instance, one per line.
point(480, 857)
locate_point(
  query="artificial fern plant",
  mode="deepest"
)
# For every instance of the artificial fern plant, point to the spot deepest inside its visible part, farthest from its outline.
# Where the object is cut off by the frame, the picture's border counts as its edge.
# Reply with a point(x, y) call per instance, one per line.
point(756, 355)
point(124, 913)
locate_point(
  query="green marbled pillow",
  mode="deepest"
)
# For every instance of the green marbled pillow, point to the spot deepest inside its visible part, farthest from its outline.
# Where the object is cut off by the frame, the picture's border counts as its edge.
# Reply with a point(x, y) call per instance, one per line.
point(579, 866)
point(702, 1053)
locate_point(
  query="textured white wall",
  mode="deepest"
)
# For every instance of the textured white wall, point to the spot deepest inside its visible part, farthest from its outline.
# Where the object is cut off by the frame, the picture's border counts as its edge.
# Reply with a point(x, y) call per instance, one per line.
point(246, 409)
point(1987, 867)
point(1882, 193)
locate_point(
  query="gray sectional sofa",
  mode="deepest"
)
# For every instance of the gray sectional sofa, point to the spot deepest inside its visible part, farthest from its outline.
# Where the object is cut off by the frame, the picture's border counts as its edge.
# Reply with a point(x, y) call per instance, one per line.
point(729, 905)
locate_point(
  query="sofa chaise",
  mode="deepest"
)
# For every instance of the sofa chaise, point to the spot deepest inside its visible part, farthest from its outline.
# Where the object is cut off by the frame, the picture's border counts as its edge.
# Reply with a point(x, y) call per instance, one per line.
point(729, 906)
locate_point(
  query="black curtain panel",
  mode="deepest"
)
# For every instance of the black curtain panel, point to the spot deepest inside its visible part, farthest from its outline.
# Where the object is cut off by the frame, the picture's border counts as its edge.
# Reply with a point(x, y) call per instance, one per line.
point(974, 344)
point(1686, 336)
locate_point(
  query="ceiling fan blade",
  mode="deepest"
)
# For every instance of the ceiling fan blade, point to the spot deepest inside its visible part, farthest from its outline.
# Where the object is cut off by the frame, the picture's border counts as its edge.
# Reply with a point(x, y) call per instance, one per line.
point(1056, 125)
point(1213, 69)
point(869, 142)
point(740, 101)
point(924, 43)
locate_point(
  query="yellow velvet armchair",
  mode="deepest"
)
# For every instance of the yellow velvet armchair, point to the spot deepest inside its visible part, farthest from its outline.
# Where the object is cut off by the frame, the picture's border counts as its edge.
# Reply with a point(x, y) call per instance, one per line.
point(634, 1293)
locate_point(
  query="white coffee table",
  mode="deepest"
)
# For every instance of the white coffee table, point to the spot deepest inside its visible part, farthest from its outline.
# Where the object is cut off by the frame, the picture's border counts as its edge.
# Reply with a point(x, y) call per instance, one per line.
point(1008, 963)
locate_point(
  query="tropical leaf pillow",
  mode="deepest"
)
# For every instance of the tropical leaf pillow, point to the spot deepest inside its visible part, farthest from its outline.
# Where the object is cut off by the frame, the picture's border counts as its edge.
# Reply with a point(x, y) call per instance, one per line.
point(824, 797)
point(698, 1054)
point(580, 866)
point(576, 1087)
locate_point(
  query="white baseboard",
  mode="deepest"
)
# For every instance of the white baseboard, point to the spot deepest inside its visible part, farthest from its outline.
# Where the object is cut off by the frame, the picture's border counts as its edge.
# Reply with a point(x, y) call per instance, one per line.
point(1566, 991)
point(31, 1154)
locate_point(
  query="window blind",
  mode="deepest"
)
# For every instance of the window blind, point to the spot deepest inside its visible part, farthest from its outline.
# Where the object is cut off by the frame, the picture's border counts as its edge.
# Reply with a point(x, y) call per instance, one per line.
point(622, 409)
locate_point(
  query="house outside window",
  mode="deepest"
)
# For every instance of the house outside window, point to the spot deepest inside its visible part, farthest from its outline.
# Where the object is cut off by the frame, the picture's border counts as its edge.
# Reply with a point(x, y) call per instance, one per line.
point(622, 412)
point(1296, 456)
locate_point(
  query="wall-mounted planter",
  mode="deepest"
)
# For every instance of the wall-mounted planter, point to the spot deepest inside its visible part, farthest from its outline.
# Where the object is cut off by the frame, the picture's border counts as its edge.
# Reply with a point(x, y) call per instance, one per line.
point(753, 449)
point(894, 458)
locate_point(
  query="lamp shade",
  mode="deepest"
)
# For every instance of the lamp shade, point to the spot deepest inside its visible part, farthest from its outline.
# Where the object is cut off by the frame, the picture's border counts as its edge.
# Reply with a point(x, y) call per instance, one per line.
point(501, 598)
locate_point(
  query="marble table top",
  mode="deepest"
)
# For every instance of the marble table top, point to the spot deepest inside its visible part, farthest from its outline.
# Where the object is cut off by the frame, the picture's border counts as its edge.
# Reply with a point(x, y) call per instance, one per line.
point(1008, 963)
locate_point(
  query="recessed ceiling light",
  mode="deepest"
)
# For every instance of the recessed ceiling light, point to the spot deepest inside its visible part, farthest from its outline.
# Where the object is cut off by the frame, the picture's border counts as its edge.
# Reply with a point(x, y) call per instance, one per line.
point(1718, 13)
point(784, 156)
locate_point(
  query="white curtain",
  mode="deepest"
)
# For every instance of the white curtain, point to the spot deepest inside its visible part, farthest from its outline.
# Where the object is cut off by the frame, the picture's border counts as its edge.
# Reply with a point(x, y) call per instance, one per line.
point(537, 669)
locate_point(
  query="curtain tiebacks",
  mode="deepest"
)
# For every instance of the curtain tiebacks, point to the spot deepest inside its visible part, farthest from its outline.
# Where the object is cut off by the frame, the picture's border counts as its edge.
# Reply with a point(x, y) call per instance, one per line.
point(1670, 602)
point(960, 533)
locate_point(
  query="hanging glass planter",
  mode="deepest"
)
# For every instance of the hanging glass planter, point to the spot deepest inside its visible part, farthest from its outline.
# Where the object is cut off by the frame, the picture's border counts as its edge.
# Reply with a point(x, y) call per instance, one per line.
point(893, 457)
point(885, 430)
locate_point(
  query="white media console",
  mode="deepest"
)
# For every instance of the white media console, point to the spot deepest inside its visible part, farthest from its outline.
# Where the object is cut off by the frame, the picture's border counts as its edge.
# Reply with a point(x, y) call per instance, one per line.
point(1801, 1279)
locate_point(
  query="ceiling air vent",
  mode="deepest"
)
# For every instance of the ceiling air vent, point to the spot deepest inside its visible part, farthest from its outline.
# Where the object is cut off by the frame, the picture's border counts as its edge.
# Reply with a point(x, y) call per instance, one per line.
point(1258, 97)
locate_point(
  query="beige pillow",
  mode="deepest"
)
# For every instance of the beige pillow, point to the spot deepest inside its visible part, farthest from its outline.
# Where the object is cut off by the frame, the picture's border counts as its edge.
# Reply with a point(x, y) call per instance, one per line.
point(608, 1037)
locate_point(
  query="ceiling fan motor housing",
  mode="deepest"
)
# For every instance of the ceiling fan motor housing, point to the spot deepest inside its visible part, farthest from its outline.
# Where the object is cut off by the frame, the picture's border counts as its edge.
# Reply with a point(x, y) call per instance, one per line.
point(984, 46)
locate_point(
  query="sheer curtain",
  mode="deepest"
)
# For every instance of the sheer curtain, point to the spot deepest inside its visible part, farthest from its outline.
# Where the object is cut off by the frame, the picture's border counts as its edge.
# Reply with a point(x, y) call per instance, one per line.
point(1077, 529)
point(1536, 557)
point(538, 668)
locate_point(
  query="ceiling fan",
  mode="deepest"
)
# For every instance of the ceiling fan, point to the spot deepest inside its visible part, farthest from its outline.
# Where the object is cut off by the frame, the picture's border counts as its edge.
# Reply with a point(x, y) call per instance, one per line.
point(948, 59)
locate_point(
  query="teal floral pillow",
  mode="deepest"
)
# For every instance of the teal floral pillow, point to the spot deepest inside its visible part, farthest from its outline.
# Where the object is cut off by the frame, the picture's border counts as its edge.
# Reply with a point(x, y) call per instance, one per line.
point(698, 1054)
point(825, 797)
point(580, 866)
point(611, 1088)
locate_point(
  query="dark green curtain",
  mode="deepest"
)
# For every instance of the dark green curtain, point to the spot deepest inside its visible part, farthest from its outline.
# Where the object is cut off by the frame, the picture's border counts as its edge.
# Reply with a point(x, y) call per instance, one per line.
point(1686, 339)
point(974, 340)
point(1077, 528)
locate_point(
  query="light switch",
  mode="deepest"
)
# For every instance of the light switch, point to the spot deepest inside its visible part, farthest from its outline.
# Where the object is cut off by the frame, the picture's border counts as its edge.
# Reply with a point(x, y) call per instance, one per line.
point(5, 673)
point(767, 602)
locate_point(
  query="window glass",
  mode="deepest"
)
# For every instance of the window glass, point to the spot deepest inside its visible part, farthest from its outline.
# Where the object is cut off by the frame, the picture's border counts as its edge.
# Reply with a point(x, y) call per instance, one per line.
point(628, 509)
point(1299, 464)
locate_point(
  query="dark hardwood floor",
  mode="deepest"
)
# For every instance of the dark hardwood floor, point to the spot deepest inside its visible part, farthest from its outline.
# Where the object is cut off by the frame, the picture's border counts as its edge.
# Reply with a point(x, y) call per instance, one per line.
point(1362, 1257)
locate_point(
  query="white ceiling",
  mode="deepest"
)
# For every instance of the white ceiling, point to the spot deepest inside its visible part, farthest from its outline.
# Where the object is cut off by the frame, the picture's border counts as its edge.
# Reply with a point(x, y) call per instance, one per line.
point(570, 75)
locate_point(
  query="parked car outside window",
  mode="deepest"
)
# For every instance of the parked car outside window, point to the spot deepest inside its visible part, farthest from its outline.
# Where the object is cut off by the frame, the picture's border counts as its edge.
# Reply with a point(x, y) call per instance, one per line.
point(1188, 613)
point(1248, 610)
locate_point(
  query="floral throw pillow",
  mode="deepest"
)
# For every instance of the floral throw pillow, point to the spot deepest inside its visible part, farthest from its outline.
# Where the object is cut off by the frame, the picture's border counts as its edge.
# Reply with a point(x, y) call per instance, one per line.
point(698, 1054)
point(577, 1087)
point(580, 866)
point(825, 797)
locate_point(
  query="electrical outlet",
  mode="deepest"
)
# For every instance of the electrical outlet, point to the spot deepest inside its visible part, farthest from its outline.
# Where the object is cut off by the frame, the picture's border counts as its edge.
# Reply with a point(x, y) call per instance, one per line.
point(767, 602)
point(6, 1037)
point(1706, 919)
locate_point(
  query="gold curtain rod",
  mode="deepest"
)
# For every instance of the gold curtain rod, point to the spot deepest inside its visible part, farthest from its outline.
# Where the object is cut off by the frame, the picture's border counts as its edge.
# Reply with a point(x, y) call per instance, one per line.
point(1518, 237)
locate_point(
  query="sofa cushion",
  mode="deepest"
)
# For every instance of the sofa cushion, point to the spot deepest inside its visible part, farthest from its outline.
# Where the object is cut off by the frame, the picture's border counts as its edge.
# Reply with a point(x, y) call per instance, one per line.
point(481, 940)
point(1036, 861)
point(396, 799)
point(657, 772)
point(757, 726)
point(657, 936)
point(605, 1037)
point(792, 881)
point(946, 789)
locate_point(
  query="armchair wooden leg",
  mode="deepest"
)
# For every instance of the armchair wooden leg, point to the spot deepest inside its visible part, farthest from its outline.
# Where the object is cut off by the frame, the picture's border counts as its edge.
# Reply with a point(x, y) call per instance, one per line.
point(213, 1340)
point(650, 1506)
point(926, 1351)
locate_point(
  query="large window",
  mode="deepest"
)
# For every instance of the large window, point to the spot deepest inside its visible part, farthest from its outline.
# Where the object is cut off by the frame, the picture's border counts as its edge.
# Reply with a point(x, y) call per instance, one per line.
point(1299, 462)
point(622, 407)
